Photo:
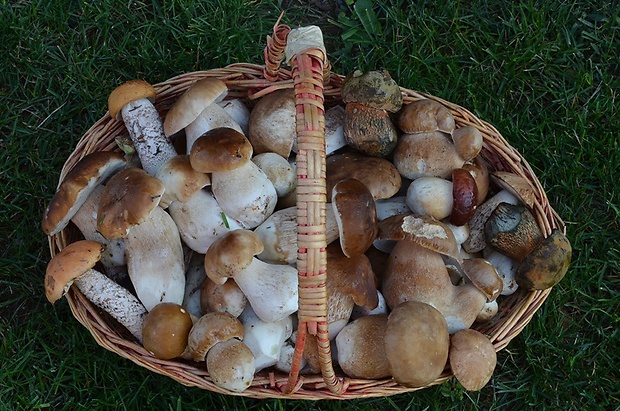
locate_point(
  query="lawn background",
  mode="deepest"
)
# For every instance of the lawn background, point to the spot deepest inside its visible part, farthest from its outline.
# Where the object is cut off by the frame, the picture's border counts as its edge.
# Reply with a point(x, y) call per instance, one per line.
point(545, 73)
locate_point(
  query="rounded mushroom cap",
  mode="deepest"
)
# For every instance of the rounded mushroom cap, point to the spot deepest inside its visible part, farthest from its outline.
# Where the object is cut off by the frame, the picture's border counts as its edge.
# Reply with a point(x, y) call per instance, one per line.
point(464, 196)
point(272, 126)
point(369, 130)
point(416, 343)
point(77, 185)
point(181, 180)
point(374, 89)
point(468, 142)
point(210, 329)
point(278, 170)
point(231, 365)
point(356, 216)
point(196, 98)
point(431, 196)
point(231, 253)
point(426, 154)
point(484, 276)
point(220, 149)
point(127, 92)
point(547, 264)
point(424, 116)
point(226, 297)
point(128, 199)
point(70, 263)
point(165, 330)
point(361, 348)
point(472, 359)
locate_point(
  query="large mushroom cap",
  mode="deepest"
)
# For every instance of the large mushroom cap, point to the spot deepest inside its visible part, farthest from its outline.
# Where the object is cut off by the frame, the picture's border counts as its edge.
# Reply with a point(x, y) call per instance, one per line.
point(220, 149)
point(231, 365)
point(231, 253)
point(426, 154)
point(472, 358)
point(361, 347)
point(127, 200)
point(547, 264)
point(165, 330)
point(77, 185)
point(199, 96)
point(70, 263)
point(425, 116)
point(127, 92)
point(272, 126)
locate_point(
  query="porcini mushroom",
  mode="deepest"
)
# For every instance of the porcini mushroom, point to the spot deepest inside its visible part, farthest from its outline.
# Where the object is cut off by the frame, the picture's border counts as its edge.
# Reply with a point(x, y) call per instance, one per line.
point(361, 348)
point(165, 330)
point(272, 123)
point(431, 196)
point(278, 170)
point(426, 115)
point(472, 359)
point(75, 264)
point(426, 154)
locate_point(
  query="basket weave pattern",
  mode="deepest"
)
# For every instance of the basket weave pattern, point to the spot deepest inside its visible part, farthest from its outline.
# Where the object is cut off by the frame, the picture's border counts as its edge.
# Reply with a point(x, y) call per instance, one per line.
point(316, 87)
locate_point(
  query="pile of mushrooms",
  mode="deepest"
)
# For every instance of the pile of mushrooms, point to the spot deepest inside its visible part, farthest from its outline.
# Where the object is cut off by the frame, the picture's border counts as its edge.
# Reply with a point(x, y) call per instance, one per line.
point(194, 252)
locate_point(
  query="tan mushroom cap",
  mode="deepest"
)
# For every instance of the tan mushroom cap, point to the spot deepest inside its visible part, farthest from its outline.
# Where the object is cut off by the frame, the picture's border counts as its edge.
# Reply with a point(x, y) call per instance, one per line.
point(416, 343)
point(272, 126)
point(127, 92)
point(128, 199)
point(472, 359)
point(484, 276)
point(165, 330)
point(220, 149)
point(70, 263)
point(226, 297)
point(231, 365)
point(352, 276)
point(231, 253)
point(378, 174)
point(196, 98)
point(480, 171)
point(424, 116)
point(468, 142)
point(77, 185)
point(181, 180)
point(356, 216)
point(426, 154)
point(361, 347)
point(516, 185)
point(210, 329)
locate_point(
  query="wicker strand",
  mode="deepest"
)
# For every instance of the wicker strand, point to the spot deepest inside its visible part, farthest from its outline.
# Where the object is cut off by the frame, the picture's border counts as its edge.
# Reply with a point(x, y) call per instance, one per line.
point(274, 51)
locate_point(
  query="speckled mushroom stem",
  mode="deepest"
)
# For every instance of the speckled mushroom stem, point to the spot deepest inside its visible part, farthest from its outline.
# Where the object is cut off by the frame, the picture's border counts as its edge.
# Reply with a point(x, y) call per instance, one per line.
point(147, 134)
point(307, 55)
point(117, 301)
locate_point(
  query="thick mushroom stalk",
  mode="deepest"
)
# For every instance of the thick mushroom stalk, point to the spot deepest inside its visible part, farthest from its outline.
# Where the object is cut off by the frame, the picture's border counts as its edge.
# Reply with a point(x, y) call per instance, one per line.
point(74, 265)
point(272, 290)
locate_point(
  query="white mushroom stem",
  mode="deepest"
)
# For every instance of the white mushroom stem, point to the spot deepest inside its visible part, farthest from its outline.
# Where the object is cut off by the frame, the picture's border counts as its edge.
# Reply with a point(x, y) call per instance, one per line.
point(147, 134)
point(245, 194)
point(194, 277)
point(155, 260)
point(123, 306)
point(201, 220)
point(238, 111)
point(271, 289)
point(213, 116)
point(334, 130)
point(86, 221)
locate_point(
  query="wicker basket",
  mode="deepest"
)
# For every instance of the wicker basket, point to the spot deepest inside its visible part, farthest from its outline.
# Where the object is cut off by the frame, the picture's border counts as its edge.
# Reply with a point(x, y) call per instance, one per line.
point(316, 87)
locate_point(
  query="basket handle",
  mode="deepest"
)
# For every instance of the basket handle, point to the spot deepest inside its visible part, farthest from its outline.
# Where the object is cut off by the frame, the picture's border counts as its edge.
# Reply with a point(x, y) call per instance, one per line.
point(306, 53)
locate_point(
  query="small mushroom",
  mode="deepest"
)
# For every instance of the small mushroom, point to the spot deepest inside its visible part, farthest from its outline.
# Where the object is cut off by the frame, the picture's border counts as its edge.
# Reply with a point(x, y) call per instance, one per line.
point(426, 154)
point(194, 277)
point(467, 141)
point(278, 170)
point(361, 348)
point(488, 312)
point(270, 289)
point(483, 276)
point(165, 330)
point(431, 196)
point(472, 359)
point(547, 264)
point(180, 179)
point(334, 132)
point(506, 268)
point(480, 171)
point(75, 264)
point(464, 196)
point(223, 298)
point(423, 116)
point(272, 126)
point(416, 344)
point(516, 185)
point(354, 208)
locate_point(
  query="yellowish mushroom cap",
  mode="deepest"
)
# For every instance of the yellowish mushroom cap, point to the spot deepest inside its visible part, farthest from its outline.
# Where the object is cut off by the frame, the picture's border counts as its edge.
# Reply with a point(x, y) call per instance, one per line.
point(127, 92)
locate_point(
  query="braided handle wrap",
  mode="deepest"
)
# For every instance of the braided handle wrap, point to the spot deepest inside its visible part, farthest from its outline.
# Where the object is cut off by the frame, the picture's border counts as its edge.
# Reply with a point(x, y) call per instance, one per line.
point(306, 53)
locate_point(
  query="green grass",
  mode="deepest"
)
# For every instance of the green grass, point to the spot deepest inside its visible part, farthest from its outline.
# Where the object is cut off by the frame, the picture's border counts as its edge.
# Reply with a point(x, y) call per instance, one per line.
point(546, 74)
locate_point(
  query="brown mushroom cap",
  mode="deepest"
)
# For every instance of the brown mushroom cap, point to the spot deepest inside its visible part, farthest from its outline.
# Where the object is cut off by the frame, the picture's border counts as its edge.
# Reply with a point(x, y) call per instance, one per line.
point(196, 98)
point(484, 276)
point(128, 199)
point(416, 343)
point(231, 253)
point(127, 92)
point(165, 330)
point(547, 264)
point(515, 185)
point(352, 276)
point(472, 359)
point(468, 142)
point(181, 180)
point(210, 329)
point(70, 263)
point(374, 89)
point(426, 154)
point(77, 185)
point(480, 171)
point(424, 116)
point(272, 126)
point(356, 216)
point(464, 196)
point(369, 130)
point(227, 297)
point(220, 149)
point(231, 365)
point(361, 347)
point(378, 174)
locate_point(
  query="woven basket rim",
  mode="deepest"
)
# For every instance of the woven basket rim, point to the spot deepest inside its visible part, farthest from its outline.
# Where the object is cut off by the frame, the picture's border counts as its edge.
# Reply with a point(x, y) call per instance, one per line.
point(245, 78)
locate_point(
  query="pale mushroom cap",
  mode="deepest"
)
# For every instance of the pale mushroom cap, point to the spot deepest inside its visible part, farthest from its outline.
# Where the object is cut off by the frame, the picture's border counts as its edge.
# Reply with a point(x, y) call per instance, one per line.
point(484, 276)
point(210, 329)
point(278, 170)
point(180, 180)
point(128, 199)
point(361, 348)
point(426, 154)
point(70, 263)
point(431, 196)
point(272, 126)
point(231, 365)
point(220, 149)
point(425, 116)
point(201, 94)
point(472, 359)
point(127, 92)
point(356, 216)
point(416, 343)
point(231, 253)
point(226, 297)
point(77, 185)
